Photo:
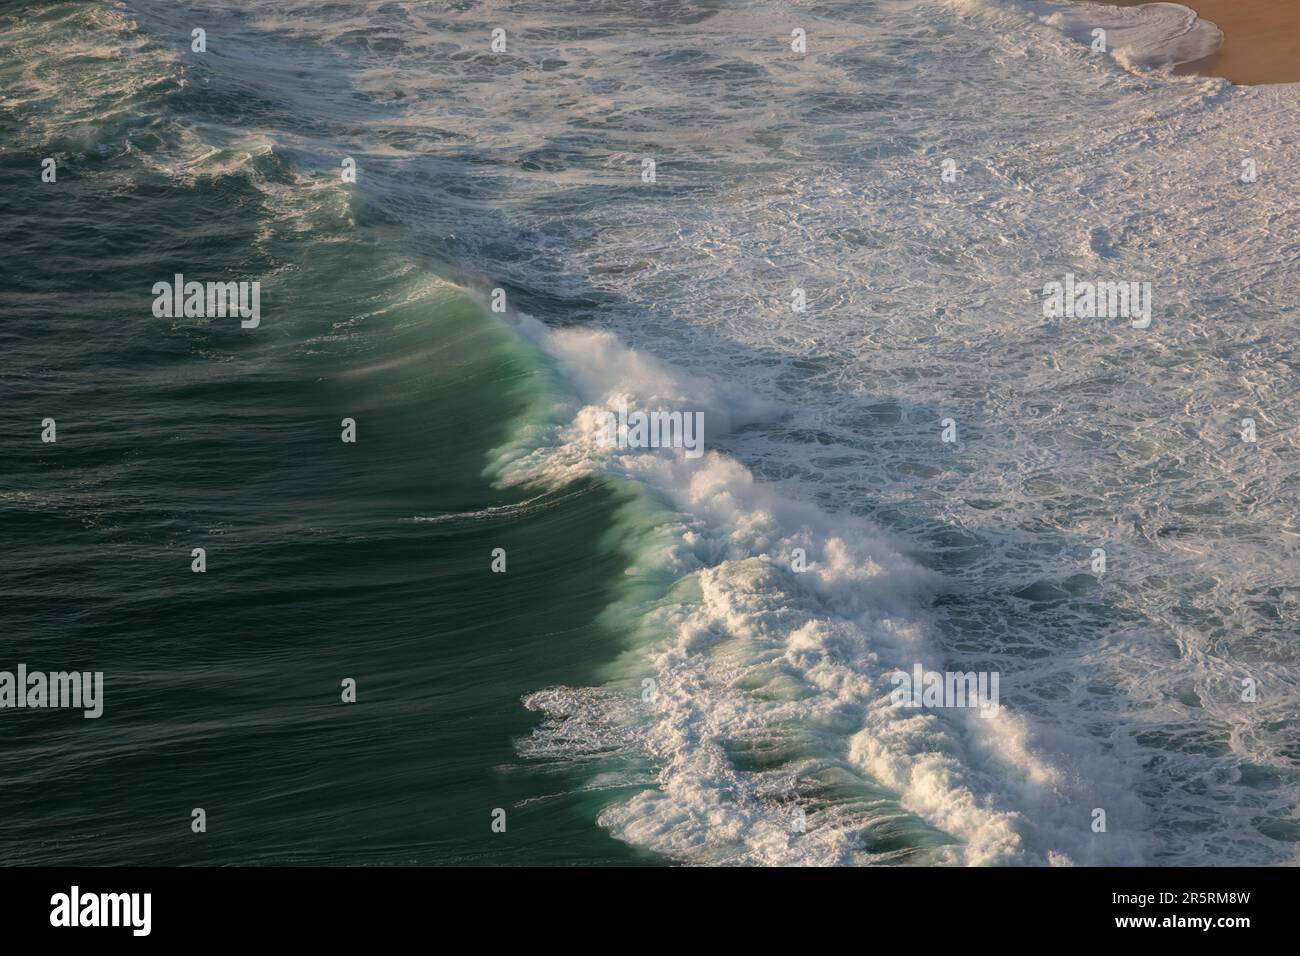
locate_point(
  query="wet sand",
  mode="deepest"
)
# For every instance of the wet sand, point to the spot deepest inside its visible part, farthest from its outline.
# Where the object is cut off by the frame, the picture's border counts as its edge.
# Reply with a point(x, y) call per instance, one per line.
point(1261, 39)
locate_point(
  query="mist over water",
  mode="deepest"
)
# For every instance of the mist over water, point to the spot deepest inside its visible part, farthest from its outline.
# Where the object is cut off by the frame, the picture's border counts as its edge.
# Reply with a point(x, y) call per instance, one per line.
point(522, 170)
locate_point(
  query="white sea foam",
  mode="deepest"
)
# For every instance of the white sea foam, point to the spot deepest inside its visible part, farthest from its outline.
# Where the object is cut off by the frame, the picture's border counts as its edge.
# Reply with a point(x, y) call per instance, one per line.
point(746, 651)
point(1076, 436)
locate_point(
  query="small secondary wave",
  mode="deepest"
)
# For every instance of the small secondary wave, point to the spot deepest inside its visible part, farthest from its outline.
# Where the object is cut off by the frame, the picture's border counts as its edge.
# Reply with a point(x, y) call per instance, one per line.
point(517, 509)
point(1147, 36)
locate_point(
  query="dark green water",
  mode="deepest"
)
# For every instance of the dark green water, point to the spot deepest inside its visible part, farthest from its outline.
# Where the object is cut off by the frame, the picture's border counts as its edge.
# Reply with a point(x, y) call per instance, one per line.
point(223, 689)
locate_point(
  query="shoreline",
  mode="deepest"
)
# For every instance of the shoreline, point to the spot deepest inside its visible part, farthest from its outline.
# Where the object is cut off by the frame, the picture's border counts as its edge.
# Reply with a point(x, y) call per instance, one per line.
point(1261, 40)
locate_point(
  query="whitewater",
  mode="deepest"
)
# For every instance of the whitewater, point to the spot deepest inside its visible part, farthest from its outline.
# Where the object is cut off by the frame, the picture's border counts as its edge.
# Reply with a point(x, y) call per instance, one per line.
point(771, 685)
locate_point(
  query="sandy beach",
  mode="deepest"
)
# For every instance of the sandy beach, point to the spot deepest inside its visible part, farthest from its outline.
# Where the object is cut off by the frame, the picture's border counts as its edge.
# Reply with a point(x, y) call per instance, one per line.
point(1261, 39)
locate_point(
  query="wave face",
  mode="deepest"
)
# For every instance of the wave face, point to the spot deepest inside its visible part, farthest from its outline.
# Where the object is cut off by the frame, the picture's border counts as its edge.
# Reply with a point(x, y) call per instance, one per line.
point(736, 695)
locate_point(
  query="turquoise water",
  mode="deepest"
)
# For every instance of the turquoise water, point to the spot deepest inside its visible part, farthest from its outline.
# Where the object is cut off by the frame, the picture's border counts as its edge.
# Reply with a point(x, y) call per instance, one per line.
point(649, 681)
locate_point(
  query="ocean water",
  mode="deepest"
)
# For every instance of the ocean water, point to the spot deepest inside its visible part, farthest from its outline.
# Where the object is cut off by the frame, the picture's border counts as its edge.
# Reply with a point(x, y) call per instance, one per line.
point(650, 681)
